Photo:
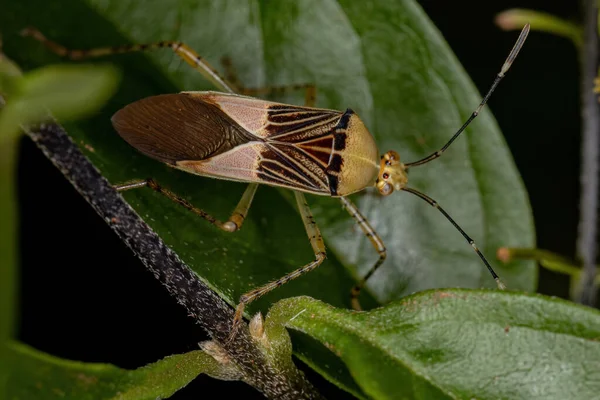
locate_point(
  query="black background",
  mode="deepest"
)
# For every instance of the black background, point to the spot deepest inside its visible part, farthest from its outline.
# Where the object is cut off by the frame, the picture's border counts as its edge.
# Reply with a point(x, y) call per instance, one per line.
point(537, 107)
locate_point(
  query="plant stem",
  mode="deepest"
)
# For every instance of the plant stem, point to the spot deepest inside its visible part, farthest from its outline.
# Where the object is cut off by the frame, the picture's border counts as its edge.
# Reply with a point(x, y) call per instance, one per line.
point(516, 18)
point(8, 248)
point(211, 312)
point(587, 233)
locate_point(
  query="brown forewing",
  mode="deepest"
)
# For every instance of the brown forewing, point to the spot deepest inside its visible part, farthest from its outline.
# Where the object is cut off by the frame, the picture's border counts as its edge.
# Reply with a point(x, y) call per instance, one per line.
point(175, 127)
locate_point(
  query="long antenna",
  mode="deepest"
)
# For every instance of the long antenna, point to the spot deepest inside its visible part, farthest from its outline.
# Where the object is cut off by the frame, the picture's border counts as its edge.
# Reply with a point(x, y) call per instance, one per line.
point(509, 60)
point(434, 204)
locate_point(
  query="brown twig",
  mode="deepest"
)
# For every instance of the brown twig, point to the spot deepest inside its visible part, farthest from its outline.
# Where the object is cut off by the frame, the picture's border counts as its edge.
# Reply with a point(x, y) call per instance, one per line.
point(590, 145)
point(209, 310)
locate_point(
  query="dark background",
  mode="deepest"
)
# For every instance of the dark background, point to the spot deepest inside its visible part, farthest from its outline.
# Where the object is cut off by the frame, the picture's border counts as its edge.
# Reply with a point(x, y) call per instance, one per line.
point(537, 107)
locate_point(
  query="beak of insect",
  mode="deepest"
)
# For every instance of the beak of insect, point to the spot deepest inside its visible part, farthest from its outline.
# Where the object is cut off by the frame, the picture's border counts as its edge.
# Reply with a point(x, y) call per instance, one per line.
point(392, 174)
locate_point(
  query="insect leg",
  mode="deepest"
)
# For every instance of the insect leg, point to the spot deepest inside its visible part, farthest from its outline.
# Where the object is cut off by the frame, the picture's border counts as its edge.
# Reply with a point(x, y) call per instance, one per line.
point(230, 73)
point(181, 49)
point(310, 90)
point(238, 216)
point(375, 241)
point(234, 222)
point(316, 241)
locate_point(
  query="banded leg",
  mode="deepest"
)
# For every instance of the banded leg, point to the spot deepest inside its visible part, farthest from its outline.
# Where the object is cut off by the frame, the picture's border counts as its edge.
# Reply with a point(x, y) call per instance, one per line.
point(181, 49)
point(316, 241)
point(375, 241)
point(310, 90)
point(234, 222)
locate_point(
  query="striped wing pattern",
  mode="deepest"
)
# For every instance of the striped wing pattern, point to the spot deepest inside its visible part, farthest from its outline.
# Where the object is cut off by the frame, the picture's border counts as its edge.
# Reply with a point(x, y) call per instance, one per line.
point(300, 147)
point(240, 138)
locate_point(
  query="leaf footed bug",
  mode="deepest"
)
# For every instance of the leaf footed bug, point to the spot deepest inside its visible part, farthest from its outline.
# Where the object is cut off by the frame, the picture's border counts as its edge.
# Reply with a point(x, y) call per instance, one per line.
point(245, 139)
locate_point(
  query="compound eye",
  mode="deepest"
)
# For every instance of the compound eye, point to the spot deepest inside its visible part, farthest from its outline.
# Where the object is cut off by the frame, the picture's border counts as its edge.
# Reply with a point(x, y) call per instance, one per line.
point(386, 189)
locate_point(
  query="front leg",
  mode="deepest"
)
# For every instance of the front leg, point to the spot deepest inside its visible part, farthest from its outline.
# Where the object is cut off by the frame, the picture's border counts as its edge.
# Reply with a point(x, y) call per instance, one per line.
point(375, 241)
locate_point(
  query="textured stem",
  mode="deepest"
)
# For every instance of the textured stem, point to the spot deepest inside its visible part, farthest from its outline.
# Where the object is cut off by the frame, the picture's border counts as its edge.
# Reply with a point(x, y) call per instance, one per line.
point(586, 241)
point(209, 310)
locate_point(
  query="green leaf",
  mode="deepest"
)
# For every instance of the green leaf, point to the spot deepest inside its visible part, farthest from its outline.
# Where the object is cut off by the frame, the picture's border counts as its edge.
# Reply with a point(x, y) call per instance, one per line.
point(387, 62)
point(383, 59)
point(450, 344)
point(36, 375)
point(8, 246)
point(9, 72)
point(66, 91)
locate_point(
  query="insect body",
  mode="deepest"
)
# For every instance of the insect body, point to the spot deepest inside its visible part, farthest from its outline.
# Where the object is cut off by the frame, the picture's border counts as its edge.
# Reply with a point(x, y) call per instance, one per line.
point(227, 136)
point(235, 137)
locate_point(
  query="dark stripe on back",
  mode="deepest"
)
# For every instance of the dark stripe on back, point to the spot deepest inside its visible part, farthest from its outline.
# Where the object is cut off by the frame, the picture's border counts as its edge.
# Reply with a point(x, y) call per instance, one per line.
point(343, 124)
point(333, 184)
point(339, 132)
point(339, 144)
point(339, 141)
point(336, 164)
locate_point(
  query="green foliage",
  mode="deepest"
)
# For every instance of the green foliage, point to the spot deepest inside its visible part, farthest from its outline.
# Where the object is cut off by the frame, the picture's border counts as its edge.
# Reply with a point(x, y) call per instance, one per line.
point(387, 62)
point(35, 375)
point(516, 18)
point(450, 344)
point(66, 91)
point(552, 262)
